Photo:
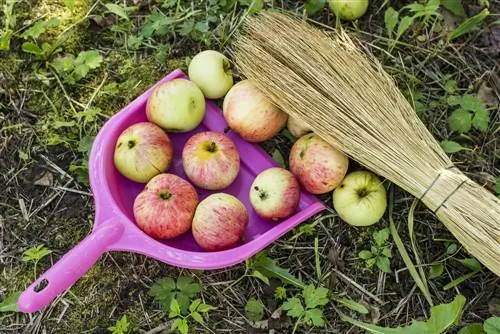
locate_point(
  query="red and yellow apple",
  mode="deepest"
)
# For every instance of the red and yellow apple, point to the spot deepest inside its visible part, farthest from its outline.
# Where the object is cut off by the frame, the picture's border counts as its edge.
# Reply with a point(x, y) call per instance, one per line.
point(319, 167)
point(166, 206)
point(211, 160)
point(176, 106)
point(211, 71)
point(297, 127)
point(219, 222)
point(142, 151)
point(250, 114)
point(275, 193)
point(361, 199)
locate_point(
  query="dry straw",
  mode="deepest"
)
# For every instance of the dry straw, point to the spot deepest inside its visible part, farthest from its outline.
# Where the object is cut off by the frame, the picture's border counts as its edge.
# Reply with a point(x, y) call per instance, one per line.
point(347, 98)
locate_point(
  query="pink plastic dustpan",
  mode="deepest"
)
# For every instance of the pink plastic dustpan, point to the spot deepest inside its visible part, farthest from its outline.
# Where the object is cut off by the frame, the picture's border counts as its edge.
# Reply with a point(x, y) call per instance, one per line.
point(114, 227)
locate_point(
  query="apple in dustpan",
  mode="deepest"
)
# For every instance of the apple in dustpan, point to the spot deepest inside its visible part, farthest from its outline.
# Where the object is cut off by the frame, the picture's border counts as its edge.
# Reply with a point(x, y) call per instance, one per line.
point(115, 228)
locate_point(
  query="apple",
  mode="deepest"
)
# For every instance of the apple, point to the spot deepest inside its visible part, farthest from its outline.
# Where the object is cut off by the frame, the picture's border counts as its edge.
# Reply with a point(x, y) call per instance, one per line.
point(211, 71)
point(142, 151)
point(176, 106)
point(361, 199)
point(219, 222)
point(275, 193)
point(297, 127)
point(349, 9)
point(211, 160)
point(318, 166)
point(165, 208)
point(250, 114)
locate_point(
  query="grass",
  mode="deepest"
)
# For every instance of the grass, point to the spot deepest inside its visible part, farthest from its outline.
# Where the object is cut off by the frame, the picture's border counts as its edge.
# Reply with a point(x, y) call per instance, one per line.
point(48, 122)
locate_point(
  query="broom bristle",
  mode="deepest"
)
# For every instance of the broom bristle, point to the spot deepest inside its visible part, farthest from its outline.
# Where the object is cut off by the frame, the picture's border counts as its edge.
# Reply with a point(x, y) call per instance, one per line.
point(347, 98)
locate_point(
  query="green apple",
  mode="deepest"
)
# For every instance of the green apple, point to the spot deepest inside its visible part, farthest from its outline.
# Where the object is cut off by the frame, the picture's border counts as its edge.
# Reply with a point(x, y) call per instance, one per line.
point(349, 9)
point(211, 71)
point(361, 199)
point(176, 106)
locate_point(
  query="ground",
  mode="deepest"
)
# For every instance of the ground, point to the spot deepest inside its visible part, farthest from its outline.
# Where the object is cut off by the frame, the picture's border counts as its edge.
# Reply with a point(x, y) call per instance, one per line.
point(50, 113)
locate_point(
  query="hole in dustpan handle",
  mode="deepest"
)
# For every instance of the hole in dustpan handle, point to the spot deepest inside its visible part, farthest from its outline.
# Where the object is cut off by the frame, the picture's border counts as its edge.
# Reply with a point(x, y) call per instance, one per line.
point(73, 265)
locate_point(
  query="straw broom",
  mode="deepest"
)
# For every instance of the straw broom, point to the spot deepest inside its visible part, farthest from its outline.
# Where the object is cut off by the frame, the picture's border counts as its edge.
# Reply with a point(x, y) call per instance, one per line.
point(347, 98)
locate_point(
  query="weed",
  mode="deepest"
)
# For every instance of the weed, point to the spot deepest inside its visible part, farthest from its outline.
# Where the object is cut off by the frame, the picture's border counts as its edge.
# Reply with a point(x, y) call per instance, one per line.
point(180, 321)
point(183, 290)
point(73, 69)
point(254, 309)
point(307, 308)
point(9, 24)
point(380, 251)
point(121, 326)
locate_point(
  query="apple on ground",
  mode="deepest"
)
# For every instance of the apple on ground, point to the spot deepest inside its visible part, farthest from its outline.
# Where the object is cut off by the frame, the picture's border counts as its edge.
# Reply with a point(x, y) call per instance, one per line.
point(176, 106)
point(349, 9)
point(219, 222)
point(297, 127)
point(166, 206)
point(275, 193)
point(142, 151)
point(211, 160)
point(250, 114)
point(211, 71)
point(361, 199)
point(317, 165)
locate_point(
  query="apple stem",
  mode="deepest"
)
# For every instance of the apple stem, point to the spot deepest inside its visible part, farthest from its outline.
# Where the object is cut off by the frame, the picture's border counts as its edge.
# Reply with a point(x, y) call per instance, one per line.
point(212, 147)
point(131, 143)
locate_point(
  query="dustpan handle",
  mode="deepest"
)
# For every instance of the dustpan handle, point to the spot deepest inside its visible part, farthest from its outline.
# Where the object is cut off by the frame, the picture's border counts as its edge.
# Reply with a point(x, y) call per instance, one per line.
point(73, 265)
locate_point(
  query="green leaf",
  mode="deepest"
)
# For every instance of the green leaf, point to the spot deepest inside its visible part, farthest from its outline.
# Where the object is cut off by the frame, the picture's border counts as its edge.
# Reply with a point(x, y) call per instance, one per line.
point(451, 248)
point(253, 5)
point(201, 27)
point(314, 6)
point(85, 144)
point(403, 26)
point(442, 317)
point(497, 185)
point(162, 291)
point(459, 280)
point(269, 268)
point(157, 24)
point(204, 308)
point(35, 254)
point(381, 236)
point(182, 326)
point(391, 18)
point(474, 328)
point(187, 286)
point(386, 251)
point(254, 310)
point(278, 157)
point(194, 305)
point(70, 4)
point(384, 264)
point(481, 120)
point(175, 309)
point(314, 297)
point(90, 58)
point(450, 86)
point(365, 254)
point(63, 65)
point(450, 146)
point(197, 317)
point(175, 324)
point(492, 325)
point(468, 25)
point(117, 10)
point(280, 292)
point(186, 28)
point(5, 37)
point(9, 304)
point(455, 7)
point(436, 270)
point(121, 326)
point(294, 307)
point(460, 121)
point(39, 28)
point(314, 317)
point(370, 262)
point(472, 264)
point(30, 47)
point(260, 276)
point(351, 304)
point(467, 102)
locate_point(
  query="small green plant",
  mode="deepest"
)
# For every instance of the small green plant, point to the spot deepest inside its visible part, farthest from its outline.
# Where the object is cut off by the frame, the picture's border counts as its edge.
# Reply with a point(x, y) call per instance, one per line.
point(490, 326)
point(35, 254)
point(39, 28)
point(73, 69)
point(46, 49)
point(471, 113)
point(307, 308)
point(9, 304)
point(183, 290)
point(497, 186)
point(181, 320)
point(121, 326)
point(254, 310)
point(470, 263)
point(280, 293)
point(9, 19)
point(380, 251)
